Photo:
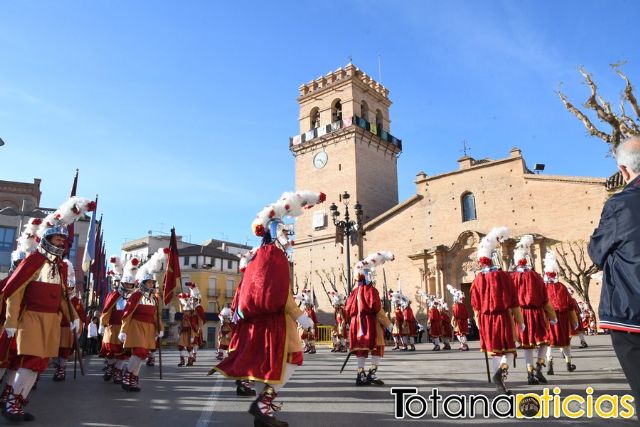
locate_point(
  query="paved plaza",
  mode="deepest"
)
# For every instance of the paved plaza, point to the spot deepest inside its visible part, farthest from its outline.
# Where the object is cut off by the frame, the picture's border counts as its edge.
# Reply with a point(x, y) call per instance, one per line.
point(318, 395)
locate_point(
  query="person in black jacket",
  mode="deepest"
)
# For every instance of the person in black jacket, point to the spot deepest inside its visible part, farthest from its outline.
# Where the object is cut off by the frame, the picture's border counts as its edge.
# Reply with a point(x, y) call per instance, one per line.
point(615, 248)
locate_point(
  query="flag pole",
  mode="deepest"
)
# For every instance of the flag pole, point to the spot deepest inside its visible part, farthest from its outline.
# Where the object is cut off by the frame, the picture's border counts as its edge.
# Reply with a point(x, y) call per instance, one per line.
point(158, 328)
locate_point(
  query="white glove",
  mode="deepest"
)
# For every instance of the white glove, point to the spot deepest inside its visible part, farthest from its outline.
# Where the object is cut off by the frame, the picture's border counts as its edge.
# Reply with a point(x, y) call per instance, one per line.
point(553, 321)
point(305, 321)
point(75, 325)
point(122, 336)
point(10, 332)
point(523, 327)
point(193, 339)
point(161, 334)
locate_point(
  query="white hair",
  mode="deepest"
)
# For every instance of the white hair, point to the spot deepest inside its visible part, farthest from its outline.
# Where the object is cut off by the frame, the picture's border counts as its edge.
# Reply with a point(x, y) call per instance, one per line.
point(629, 154)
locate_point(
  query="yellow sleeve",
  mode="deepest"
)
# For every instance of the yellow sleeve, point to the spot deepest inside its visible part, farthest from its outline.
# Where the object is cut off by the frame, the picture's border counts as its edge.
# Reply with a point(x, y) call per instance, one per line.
point(126, 321)
point(13, 307)
point(517, 315)
point(106, 317)
point(65, 305)
point(551, 313)
point(383, 319)
point(573, 317)
point(291, 309)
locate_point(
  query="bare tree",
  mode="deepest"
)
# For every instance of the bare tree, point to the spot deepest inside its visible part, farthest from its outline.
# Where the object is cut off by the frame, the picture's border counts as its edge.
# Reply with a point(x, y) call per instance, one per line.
point(332, 279)
point(622, 126)
point(576, 267)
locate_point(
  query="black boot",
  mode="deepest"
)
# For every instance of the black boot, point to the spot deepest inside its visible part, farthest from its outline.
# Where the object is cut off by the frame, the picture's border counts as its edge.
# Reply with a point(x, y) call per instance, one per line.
point(372, 378)
point(571, 367)
point(13, 411)
point(243, 389)
point(531, 379)
point(550, 370)
point(538, 373)
point(498, 380)
point(108, 373)
point(266, 418)
point(361, 377)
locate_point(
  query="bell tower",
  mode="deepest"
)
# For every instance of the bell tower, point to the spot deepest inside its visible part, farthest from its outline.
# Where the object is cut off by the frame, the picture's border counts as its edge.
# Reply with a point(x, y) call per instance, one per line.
point(344, 144)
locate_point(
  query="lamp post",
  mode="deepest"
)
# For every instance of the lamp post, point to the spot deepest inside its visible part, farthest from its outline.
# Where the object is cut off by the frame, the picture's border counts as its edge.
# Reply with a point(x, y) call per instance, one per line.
point(347, 226)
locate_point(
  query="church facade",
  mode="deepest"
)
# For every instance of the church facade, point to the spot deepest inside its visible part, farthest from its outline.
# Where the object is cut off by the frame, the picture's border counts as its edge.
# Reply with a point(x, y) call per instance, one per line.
point(345, 144)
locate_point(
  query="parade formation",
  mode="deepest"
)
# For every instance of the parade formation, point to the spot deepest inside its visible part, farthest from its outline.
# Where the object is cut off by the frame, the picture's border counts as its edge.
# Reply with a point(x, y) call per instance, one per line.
point(266, 331)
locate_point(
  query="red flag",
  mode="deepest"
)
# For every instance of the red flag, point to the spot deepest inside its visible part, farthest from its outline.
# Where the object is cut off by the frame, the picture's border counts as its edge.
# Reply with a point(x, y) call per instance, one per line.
point(172, 273)
point(71, 228)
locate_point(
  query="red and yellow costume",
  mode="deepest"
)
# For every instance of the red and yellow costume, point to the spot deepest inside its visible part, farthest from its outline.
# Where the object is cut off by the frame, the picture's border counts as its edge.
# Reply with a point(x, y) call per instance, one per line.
point(560, 333)
point(366, 321)
point(267, 323)
point(535, 307)
point(435, 323)
point(460, 319)
point(112, 350)
point(35, 301)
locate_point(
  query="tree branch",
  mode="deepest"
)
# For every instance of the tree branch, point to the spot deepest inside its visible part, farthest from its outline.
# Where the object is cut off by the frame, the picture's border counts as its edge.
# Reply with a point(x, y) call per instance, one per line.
point(584, 119)
point(628, 91)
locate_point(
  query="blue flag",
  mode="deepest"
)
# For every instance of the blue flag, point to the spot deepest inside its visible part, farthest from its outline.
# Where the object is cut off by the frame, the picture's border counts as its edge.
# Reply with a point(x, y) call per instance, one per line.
point(90, 247)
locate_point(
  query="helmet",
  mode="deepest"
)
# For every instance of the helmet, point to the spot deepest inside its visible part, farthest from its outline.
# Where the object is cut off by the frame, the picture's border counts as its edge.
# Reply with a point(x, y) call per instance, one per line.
point(127, 284)
point(58, 230)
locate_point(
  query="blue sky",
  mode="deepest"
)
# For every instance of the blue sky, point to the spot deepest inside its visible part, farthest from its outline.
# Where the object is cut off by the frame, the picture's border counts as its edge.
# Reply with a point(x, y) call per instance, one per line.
point(179, 113)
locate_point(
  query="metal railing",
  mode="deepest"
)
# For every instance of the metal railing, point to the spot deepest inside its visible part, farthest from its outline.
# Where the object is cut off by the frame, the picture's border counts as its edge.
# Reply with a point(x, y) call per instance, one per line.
point(323, 333)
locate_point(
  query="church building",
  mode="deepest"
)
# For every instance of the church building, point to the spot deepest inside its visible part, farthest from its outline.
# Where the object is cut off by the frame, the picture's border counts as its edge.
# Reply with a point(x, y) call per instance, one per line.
point(345, 145)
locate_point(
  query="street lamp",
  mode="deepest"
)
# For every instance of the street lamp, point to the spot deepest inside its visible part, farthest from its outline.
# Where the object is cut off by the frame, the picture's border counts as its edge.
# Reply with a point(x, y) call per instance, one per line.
point(347, 226)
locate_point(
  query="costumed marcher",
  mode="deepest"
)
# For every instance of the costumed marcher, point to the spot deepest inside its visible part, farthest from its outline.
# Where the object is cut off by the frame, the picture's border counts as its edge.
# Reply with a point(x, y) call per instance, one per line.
point(244, 387)
point(8, 346)
point(460, 317)
point(26, 244)
point(367, 319)
point(35, 297)
point(447, 330)
point(580, 329)
point(434, 322)
point(123, 283)
point(141, 328)
point(593, 326)
point(199, 319)
point(67, 340)
point(560, 299)
point(409, 325)
point(308, 335)
point(339, 333)
point(495, 304)
point(268, 348)
point(224, 334)
point(398, 320)
point(187, 333)
point(536, 309)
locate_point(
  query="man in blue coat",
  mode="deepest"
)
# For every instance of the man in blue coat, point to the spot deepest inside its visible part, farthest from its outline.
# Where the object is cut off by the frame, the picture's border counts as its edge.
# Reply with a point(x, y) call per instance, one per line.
point(615, 248)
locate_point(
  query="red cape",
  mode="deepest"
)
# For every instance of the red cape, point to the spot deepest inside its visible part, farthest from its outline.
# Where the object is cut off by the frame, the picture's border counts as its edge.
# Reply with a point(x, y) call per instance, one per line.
point(110, 301)
point(201, 314)
point(362, 307)
point(132, 304)
point(26, 272)
point(259, 354)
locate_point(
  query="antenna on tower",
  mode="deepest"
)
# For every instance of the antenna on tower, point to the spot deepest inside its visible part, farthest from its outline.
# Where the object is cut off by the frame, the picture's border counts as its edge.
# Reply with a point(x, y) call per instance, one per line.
point(379, 68)
point(465, 147)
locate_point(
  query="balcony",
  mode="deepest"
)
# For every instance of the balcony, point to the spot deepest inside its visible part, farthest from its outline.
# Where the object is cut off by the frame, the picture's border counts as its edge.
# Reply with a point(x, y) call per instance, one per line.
point(342, 124)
